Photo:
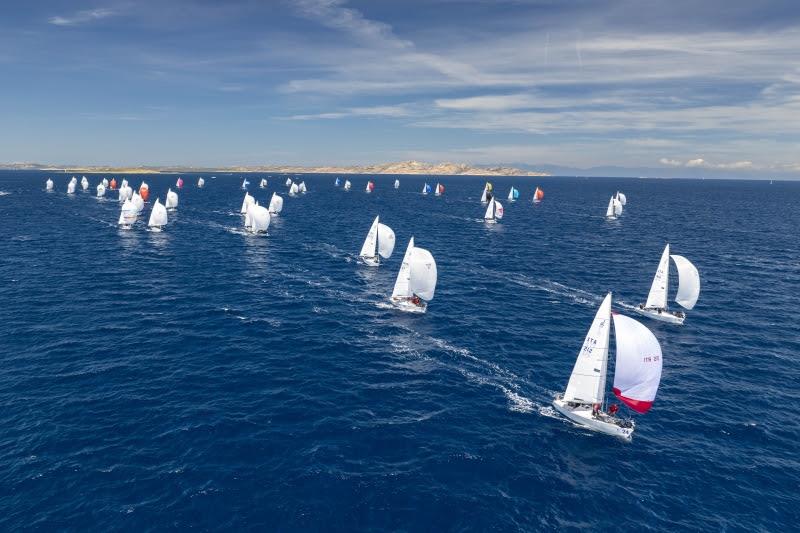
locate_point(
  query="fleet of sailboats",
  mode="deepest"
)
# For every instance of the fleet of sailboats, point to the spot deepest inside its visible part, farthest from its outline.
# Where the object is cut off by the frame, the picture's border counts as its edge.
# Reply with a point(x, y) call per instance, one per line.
point(687, 295)
point(637, 373)
point(416, 280)
point(379, 243)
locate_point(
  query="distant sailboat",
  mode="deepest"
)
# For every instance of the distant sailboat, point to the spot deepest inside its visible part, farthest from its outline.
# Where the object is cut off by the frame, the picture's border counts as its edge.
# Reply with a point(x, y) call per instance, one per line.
point(336, 183)
point(113, 184)
point(611, 213)
point(245, 183)
point(71, 186)
point(105, 183)
point(144, 191)
point(248, 200)
point(288, 182)
point(688, 290)
point(487, 193)
point(124, 183)
point(84, 183)
point(138, 202)
point(302, 187)
point(263, 183)
point(416, 281)
point(172, 200)
point(538, 195)
point(494, 212)
point(275, 204)
point(347, 185)
point(294, 190)
point(200, 183)
point(513, 194)
point(259, 219)
point(379, 243)
point(101, 190)
point(426, 189)
point(158, 217)
point(370, 187)
point(637, 374)
point(127, 215)
point(48, 185)
point(439, 189)
point(396, 184)
point(179, 183)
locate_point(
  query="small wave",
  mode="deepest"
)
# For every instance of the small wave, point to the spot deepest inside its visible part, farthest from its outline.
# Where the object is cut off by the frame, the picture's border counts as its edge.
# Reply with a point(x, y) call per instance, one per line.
point(4, 193)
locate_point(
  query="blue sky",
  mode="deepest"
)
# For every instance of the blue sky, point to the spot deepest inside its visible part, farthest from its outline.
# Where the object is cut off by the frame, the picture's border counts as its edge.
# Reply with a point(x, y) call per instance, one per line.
point(711, 85)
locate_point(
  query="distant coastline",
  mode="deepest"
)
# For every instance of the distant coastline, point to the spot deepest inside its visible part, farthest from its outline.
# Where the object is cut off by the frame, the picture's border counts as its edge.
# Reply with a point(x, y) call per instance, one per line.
point(403, 167)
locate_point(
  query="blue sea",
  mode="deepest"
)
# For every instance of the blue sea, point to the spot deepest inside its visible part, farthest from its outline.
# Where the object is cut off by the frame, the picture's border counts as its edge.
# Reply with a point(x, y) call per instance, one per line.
point(206, 379)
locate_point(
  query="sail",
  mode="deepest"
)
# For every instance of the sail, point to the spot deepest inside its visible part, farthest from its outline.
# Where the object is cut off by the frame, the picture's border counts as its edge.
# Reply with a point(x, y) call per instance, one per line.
point(84, 183)
point(385, 241)
point(336, 183)
point(347, 185)
point(396, 184)
point(371, 242)
point(498, 210)
point(617, 207)
point(588, 380)
point(179, 183)
point(294, 189)
point(401, 284)
point(158, 215)
point(259, 219)
point(658, 290)
point(302, 187)
point(610, 210)
point(425, 189)
point(483, 196)
point(113, 183)
point(288, 182)
point(247, 201)
point(439, 189)
point(489, 215)
point(622, 198)
point(276, 204)
point(105, 182)
point(138, 203)
point(49, 184)
point(200, 183)
point(511, 194)
point(144, 191)
point(688, 282)
point(101, 190)
point(124, 182)
point(637, 372)
point(370, 186)
point(263, 183)
point(516, 194)
point(127, 214)
point(71, 187)
point(538, 195)
point(172, 199)
point(423, 274)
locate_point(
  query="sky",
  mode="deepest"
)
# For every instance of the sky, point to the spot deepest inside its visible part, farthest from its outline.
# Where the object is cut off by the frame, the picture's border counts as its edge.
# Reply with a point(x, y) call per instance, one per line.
point(686, 86)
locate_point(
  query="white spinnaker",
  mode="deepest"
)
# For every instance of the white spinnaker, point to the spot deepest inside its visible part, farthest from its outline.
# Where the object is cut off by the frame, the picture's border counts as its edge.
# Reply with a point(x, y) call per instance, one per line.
point(368, 249)
point(302, 187)
point(172, 199)
point(622, 199)
point(385, 241)
point(617, 207)
point(423, 274)
point(347, 185)
point(276, 204)
point(158, 215)
point(246, 202)
point(588, 380)
point(396, 184)
point(101, 190)
point(658, 290)
point(71, 187)
point(610, 210)
point(201, 182)
point(137, 202)
point(127, 213)
point(288, 182)
point(84, 183)
point(49, 184)
point(294, 189)
point(259, 219)
point(637, 371)
point(401, 284)
point(105, 183)
point(688, 282)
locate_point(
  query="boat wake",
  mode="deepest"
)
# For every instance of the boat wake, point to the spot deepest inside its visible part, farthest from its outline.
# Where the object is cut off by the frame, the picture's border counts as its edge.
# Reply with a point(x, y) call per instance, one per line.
point(4, 193)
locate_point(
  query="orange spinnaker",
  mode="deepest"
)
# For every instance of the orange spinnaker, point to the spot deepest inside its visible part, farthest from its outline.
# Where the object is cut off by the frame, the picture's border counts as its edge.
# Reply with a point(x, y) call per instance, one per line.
point(113, 183)
point(539, 193)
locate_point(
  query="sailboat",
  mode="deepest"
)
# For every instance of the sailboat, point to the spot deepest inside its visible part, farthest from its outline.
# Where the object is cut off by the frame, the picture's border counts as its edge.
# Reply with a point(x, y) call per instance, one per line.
point(259, 219)
point(138, 202)
point(439, 189)
point(336, 183)
point(158, 217)
point(494, 212)
point(426, 189)
point(288, 182)
point(246, 202)
point(84, 183)
point(614, 209)
point(113, 183)
point(124, 182)
point(179, 183)
point(302, 187)
point(127, 215)
point(688, 290)
point(294, 190)
point(513, 194)
point(379, 243)
point(71, 186)
point(172, 200)
point(144, 191)
point(275, 204)
point(347, 185)
point(416, 281)
point(263, 183)
point(48, 185)
point(637, 373)
point(101, 190)
point(200, 183)
point(370, 187)
point(538, 195)
point(396, 184)
point(245, 183)
point(105, 183)
point(621, 198)
point(487, 193)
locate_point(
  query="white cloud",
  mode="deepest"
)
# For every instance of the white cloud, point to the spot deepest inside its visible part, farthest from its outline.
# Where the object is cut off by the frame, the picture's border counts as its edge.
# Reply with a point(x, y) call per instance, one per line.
point(395, 111)
point(670, 162)
point(82, 17)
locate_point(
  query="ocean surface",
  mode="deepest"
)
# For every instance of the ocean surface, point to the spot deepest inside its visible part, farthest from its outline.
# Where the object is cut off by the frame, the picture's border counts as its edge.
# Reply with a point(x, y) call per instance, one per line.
point(205, 378)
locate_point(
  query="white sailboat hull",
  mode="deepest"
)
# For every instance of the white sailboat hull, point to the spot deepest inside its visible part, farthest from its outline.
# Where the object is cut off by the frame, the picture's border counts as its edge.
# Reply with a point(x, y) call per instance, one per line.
point(490, 221)
point(371, 261)
point(582, 415)
point(663, 315)
point(406, 305)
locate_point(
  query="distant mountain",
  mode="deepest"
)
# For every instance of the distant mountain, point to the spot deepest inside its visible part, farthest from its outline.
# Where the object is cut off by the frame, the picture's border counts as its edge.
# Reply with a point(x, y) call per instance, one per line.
point(403, 167)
